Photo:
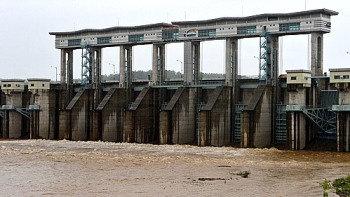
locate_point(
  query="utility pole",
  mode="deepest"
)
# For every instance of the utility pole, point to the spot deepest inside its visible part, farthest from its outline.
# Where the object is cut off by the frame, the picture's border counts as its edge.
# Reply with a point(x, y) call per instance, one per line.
point(56, 71)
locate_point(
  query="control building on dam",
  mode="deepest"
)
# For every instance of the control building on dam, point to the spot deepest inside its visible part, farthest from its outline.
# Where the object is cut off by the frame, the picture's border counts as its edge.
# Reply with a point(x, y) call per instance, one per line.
point(293, 108)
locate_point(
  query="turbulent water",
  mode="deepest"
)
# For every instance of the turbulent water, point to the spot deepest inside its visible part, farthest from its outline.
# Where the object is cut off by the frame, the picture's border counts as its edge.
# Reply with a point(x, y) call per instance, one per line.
point(67, 168)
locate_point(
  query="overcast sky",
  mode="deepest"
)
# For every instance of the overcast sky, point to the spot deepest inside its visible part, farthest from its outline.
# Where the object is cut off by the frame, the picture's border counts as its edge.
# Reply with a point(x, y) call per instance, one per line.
point(27, 50)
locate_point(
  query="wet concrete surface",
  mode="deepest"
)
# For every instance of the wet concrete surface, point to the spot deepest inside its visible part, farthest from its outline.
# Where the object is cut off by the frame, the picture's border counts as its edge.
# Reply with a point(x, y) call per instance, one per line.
point(68, 168)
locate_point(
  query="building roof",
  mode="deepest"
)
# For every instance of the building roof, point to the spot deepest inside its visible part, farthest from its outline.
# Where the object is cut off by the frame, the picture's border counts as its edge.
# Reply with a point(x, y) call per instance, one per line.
point(38, 79)
point(114, 29)
point(177, 23)
point(298, 71)
point(323, 11)
point(339, 69)
point(12, 80)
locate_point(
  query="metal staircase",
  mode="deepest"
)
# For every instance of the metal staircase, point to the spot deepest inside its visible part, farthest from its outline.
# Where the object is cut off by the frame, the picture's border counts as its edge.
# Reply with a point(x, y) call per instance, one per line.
point(85, 65)
point(265, 60)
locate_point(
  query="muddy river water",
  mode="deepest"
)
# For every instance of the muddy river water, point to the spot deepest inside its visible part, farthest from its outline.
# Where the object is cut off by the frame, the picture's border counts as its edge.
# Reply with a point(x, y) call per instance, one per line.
point(67, 168)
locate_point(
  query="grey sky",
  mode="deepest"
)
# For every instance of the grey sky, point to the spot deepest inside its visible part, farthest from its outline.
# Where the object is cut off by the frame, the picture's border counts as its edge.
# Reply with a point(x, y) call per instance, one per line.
point(27, 49)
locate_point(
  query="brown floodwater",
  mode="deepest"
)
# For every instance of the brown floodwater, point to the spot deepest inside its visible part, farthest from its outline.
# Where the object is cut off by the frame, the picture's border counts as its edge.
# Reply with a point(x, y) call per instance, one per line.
point(68, 168)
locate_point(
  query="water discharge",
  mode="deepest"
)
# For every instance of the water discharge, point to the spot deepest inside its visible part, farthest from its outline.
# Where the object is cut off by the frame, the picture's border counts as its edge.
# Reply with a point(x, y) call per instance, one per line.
point(68, 168)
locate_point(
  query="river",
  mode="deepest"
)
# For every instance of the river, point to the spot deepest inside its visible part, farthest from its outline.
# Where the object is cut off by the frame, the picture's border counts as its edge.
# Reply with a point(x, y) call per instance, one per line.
point(69, 168)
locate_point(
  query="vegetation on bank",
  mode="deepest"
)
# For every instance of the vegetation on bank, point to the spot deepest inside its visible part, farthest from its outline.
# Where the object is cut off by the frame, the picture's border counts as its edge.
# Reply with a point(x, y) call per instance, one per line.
point(341, 186)
point(170, 74)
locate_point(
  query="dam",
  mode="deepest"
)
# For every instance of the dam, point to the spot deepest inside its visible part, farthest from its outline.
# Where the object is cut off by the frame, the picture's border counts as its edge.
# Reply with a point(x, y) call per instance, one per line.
point(291, 109)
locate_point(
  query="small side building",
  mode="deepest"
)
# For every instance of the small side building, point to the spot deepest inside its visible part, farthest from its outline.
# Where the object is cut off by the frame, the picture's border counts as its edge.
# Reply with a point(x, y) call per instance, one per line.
point(14, 123)
point(340, 81)
point(41, 109)
point(298, 81)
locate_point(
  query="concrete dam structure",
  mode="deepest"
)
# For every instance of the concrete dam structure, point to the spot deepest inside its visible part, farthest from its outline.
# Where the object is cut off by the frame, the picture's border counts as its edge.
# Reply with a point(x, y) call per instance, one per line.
point(291, 109)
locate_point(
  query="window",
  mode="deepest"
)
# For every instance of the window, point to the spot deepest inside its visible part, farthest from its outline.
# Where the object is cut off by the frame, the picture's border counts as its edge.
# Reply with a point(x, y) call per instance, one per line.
point(170, 34)
point(43, 85)
point(336, 76)
point(345, 76)
point(246, 30)
point(32, 84)
point(289, 27)
point(8, 85)
point(5, 85)
point(136, 38)
point(74, 42)
point(206, 32)
point(104, 40)
point(293, 78)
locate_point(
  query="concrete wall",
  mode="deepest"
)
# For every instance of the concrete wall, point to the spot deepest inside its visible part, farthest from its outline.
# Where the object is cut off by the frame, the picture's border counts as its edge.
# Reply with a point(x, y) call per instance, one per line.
point(262, 137)
point(79, 118)
point(43, 121)
point(214, 125)
point(142, 118)
point(183, 117)
point(256, 124)
point(165, 127)
point(296, 120)
point(13, 127)
point(343, 131)
point(344, 98)
point(113, 116)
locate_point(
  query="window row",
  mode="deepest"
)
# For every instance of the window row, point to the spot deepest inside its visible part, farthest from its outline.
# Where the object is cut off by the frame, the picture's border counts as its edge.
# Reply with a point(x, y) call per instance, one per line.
point(32, 85)
point(246, 30)
point(104, 40)
point(136, 38)
point(339, 77)
point(170, 34)
point(289, 27)
point(207, 33)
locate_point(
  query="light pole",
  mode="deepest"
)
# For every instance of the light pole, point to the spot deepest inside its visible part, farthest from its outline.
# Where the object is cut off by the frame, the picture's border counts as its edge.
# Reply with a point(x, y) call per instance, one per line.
point(259, 65)
point(56, 71)
point(181, 67)
point(113, 70)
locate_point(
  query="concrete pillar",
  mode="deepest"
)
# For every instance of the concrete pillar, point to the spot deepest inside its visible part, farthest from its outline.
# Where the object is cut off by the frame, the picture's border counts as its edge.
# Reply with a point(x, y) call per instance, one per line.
point(296, 120)
point(231, 57)
point(343, 131)
point(165, 127)
point(274, 60)
point(125, 66)
point(95, 75)
point(15, 118)
point(43, 120)
point(192, 62)
point(296, 130)
point(66, 67)
point(275, 98)
point(158, 64)
point(316, 54)
point(128, 132)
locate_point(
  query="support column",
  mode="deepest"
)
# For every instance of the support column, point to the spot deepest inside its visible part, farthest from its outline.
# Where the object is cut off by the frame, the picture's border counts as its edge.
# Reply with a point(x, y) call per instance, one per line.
point(158, 64)
point(231, 72)
point(316, 54)
point(125, 66)
point(275, 99)
point(96, 62)
point(66, 67)
point(274, 61)
point(343, 131)
point(192, 62)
